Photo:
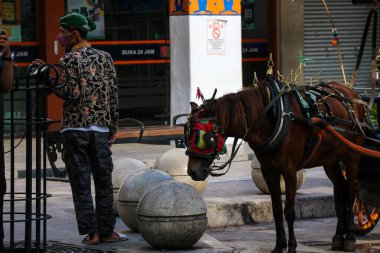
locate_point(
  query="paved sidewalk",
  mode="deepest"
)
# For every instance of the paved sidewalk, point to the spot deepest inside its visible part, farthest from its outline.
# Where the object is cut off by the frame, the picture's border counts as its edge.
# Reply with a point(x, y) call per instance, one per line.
point(231, 200)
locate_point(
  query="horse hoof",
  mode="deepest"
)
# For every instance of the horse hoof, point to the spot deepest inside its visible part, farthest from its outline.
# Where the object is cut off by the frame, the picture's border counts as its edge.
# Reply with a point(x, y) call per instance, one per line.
point(337, 245)
point(349, 246)
point(277, 250)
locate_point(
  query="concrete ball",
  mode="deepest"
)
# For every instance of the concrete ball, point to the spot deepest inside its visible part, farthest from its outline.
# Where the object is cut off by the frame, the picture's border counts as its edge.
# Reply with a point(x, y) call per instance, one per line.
point(122, 168)
point(133, 189)
point(259, 181)
point(172, 215)
point(174, 162)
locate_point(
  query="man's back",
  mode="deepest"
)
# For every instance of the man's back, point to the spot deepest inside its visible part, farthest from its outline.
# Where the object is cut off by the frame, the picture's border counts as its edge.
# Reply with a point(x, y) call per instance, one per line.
point(91, 88)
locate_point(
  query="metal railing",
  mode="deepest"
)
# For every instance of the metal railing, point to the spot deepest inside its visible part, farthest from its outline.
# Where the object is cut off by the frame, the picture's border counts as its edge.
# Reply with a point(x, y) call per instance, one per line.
point(34, 215)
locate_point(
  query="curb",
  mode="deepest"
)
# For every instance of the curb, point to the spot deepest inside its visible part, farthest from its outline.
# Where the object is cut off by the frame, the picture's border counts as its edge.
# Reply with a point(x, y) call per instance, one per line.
point(22, 173)
point(237, 211)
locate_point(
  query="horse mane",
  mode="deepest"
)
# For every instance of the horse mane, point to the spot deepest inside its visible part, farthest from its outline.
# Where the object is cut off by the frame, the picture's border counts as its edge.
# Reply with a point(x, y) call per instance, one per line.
point(242, 109)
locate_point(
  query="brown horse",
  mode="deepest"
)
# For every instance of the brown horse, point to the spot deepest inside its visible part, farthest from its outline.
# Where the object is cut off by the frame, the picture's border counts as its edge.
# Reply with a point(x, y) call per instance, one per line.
point(284, 144)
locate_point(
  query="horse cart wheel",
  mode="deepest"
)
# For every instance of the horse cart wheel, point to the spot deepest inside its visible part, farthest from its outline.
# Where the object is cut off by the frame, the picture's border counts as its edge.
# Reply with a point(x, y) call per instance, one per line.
point(366, 217)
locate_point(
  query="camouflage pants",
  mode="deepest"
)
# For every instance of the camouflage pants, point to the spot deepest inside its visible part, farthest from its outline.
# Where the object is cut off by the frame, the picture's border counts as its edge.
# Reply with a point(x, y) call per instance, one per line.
point(86, 153)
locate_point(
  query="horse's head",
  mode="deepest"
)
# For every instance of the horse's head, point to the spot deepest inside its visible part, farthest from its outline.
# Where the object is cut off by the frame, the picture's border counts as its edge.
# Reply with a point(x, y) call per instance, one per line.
point(204, 140)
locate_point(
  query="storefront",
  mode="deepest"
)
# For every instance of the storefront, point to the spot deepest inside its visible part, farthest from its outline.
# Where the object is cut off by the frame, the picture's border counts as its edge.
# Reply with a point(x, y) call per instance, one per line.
point(136, 33)
point(350, 21)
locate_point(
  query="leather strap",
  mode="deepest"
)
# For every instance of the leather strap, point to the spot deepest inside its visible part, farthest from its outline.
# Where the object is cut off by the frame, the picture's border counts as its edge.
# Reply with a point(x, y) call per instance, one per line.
point(352, 146)
point(373, 55)
point(347, 143)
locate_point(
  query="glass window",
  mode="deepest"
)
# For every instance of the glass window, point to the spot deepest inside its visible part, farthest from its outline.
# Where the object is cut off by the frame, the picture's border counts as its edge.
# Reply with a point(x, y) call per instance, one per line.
point(19, 19)
point(144, 88)
point(144, 92)
point(136, 20)
point(29, 20)
point(141, 56)
point(255, 39)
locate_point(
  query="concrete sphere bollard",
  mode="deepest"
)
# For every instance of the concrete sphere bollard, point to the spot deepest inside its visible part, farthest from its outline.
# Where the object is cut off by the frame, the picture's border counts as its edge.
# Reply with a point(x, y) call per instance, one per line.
point(260, 183)
point(174, 162)
point(172, 215)
point(122, 168)
point(133, 189)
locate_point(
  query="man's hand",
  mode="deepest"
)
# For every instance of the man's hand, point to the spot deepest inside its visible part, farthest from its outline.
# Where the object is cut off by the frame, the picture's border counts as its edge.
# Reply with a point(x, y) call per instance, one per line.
point(6, 72)
point(111, 140)
point(38, 62)
point(4, 42)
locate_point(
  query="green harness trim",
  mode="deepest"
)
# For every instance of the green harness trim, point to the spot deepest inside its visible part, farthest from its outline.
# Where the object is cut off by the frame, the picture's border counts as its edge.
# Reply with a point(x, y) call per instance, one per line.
point(306, 100)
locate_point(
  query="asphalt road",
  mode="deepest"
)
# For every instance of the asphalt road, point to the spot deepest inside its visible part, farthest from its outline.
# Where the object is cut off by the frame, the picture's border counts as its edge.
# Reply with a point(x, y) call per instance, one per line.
point(313, 235)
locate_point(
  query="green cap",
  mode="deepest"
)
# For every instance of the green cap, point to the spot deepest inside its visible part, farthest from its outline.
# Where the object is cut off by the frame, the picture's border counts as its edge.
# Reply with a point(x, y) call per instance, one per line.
point(75, 20)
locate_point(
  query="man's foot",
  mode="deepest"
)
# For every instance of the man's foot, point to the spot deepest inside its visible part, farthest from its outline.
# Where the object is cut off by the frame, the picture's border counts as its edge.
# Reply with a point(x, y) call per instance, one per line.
point(114, 237)
point(91, 239)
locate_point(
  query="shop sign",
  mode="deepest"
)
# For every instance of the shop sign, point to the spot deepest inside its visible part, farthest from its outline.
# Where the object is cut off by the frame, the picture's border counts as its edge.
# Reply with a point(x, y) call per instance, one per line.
point(133, 52)
point(25, 53)
point(254, 49)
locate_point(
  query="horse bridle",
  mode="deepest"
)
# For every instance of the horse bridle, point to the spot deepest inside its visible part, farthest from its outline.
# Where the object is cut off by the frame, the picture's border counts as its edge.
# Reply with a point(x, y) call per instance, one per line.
point(218, 132)
point(203, 136)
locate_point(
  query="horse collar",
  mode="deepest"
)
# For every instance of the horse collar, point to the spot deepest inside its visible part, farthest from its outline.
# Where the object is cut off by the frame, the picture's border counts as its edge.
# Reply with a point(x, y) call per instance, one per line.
point(279, 106)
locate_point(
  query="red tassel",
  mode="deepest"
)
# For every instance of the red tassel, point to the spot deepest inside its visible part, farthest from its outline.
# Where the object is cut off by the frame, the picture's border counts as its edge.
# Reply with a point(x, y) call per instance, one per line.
point(199, 93)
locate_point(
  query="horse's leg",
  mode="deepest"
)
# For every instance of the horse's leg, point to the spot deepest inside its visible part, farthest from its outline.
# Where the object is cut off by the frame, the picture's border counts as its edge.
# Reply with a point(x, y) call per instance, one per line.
point(272, 178)
point(352, 168)
point(334, 173)
point(291, 185)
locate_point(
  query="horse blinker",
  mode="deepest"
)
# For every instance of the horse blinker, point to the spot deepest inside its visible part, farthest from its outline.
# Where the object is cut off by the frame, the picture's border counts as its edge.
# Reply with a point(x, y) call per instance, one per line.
point(204, 139)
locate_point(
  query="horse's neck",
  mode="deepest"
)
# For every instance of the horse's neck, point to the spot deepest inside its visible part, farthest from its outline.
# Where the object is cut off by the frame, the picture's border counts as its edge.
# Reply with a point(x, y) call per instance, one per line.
point(262, 124)
point(247, 113)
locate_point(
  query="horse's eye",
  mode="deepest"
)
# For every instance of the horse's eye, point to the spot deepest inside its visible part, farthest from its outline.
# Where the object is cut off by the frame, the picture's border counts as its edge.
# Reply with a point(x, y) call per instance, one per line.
point(199, 139)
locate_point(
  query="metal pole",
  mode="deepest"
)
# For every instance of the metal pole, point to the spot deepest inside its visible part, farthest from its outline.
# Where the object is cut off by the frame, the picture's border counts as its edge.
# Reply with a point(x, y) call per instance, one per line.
point(29, 171)
point(339, 52)
point(45, 127)
point(12, 196)
point(38, 122)
point(2, 178)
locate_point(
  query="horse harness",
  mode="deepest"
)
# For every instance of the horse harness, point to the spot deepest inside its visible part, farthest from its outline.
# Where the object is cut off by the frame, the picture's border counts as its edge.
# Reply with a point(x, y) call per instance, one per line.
point(318, 119)
point(208, 141)
point(310, 99)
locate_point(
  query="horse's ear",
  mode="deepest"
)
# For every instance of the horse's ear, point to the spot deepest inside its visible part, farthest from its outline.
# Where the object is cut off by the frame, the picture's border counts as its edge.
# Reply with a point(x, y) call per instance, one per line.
point(193, 105)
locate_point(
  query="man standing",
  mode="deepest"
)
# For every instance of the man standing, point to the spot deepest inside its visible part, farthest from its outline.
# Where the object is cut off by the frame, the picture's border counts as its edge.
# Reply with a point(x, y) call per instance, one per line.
point(6, 79)
point(88, 127)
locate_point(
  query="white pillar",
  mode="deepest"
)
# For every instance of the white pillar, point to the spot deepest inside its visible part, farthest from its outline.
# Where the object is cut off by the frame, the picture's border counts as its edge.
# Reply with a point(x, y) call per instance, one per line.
point(205, 50)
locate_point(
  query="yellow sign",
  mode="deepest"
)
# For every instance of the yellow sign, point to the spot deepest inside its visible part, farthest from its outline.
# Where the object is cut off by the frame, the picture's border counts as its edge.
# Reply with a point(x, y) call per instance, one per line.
point(9, 13)
point(205, 7)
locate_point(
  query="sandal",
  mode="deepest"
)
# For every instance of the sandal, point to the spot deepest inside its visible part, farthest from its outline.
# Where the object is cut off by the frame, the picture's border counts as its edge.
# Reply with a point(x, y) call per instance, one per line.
point(91, 239)
point(114, 237)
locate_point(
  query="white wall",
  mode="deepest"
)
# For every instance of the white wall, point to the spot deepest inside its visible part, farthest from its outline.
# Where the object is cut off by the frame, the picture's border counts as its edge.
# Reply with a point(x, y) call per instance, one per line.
point(194, 64)
point(179, 65)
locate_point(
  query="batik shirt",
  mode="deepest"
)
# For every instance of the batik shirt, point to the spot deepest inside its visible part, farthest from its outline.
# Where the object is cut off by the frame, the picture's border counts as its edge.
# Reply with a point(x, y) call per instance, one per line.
point(90, 94)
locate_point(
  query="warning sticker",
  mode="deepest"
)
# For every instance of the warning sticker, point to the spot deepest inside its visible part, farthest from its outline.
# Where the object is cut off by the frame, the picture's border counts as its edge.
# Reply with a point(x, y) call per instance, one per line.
point(216, 37)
